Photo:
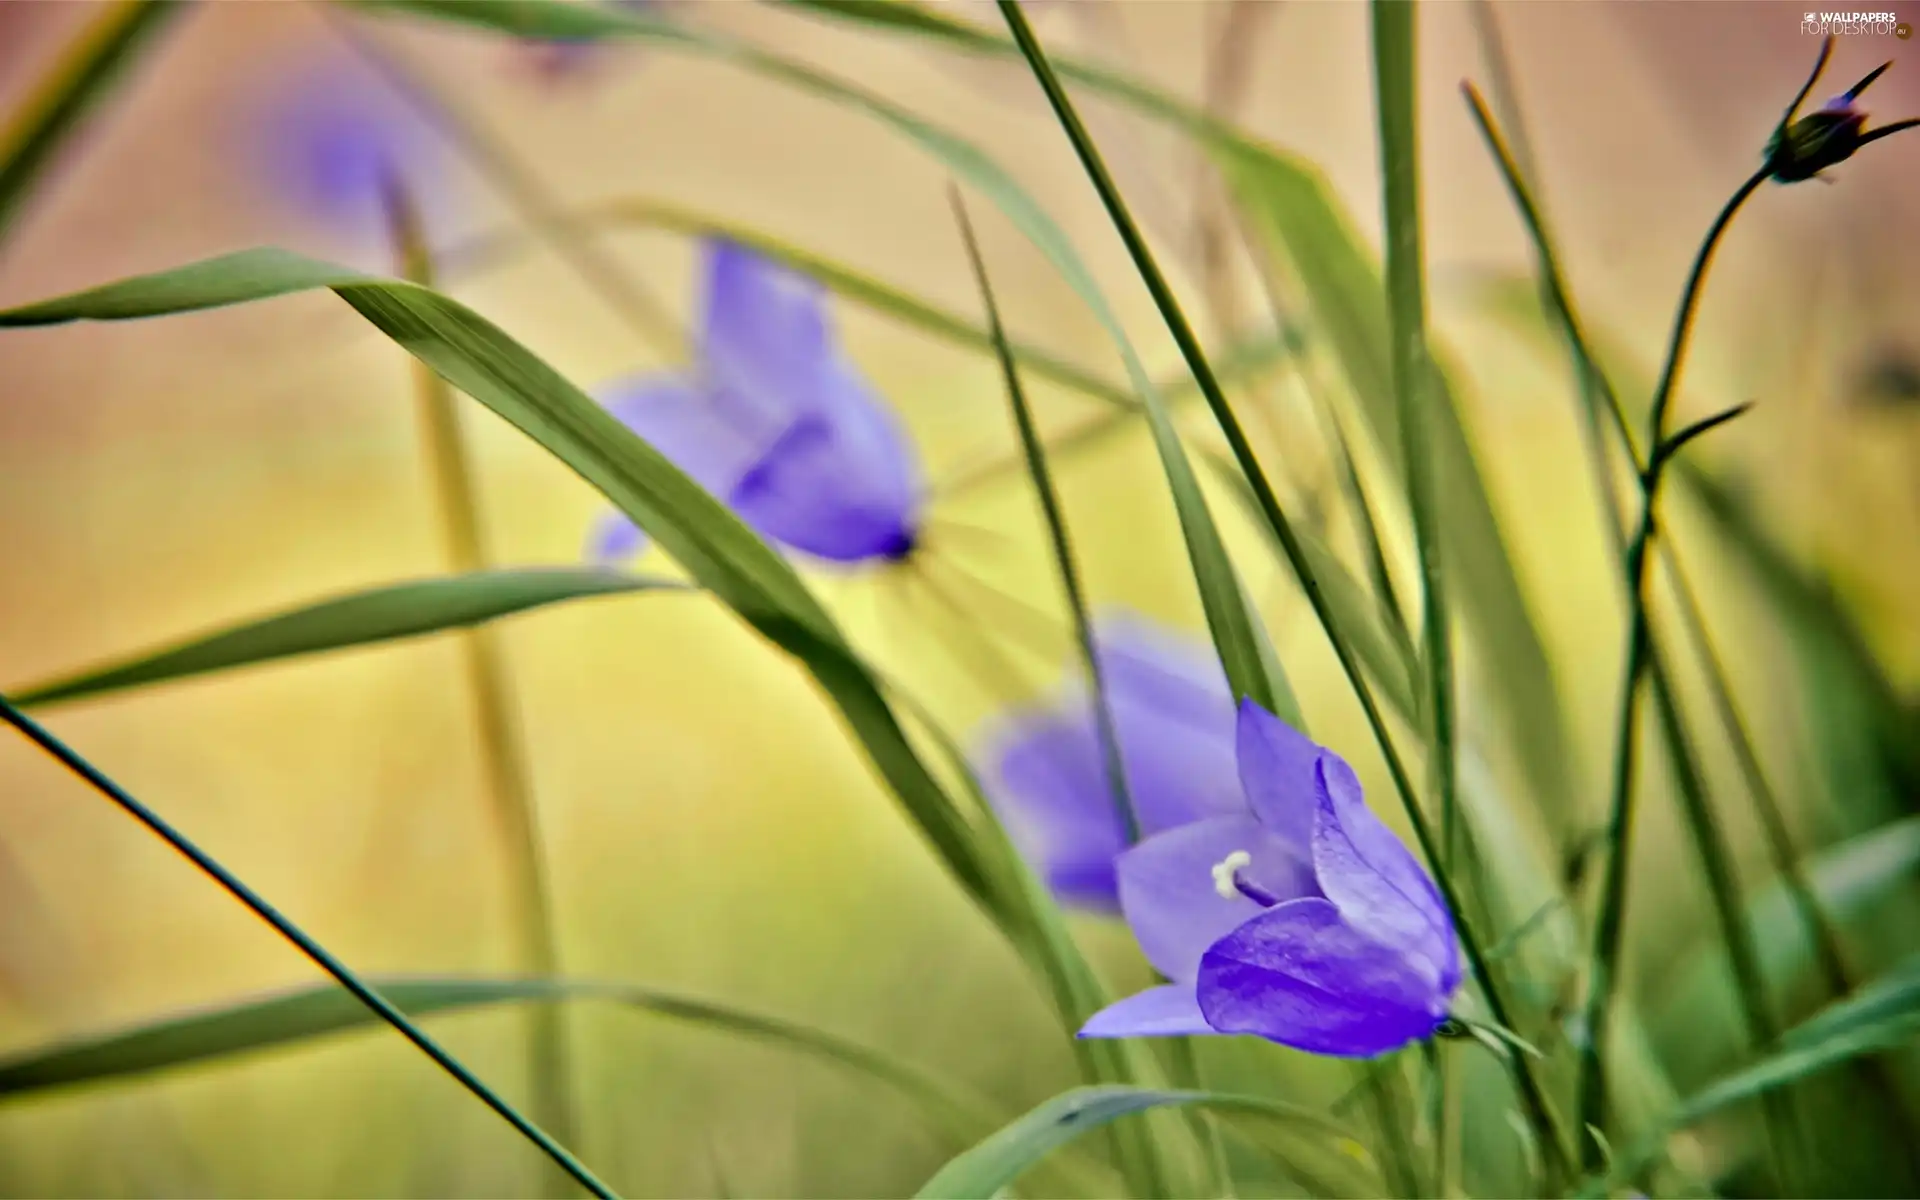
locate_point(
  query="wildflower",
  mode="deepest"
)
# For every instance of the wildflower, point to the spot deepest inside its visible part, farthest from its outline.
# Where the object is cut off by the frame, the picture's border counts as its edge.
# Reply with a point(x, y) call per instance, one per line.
point(1305, 922)
point(773, 420)
point(1173, 719)
point(327, 142)
point(1802, 148)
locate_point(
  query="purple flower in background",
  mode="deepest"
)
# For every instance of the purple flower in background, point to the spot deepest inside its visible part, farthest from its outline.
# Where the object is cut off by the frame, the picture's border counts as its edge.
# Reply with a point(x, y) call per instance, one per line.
point(326, 141)
point(1305, 922)
point(774, 421)
point(1173, 718)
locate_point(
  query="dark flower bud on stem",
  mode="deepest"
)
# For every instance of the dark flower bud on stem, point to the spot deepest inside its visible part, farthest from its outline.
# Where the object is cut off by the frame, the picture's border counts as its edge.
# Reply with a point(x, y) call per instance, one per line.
point(1802, 148)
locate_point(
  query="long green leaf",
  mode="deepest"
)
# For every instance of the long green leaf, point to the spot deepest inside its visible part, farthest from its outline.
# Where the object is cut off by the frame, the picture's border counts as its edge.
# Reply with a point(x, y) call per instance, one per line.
point(381, 614)
point(57, 109)
point(995, 1163)
point(300, 1015)
point(720, 553)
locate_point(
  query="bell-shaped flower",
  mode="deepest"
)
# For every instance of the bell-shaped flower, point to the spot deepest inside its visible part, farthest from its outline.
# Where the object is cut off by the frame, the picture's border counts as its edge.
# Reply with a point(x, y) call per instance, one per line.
point(1045, 773)
point(773, 420)
point(326, 140)
point(1304, 921)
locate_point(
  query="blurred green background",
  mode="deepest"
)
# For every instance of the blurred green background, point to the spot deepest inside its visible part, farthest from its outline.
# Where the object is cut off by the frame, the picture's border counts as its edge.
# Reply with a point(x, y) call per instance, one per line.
point(709, 825)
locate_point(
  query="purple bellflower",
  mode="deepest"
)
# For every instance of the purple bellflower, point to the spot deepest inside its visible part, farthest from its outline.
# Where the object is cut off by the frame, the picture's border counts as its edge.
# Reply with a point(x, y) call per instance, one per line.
point(1046, 777)
point(1304, 921)
point(774, 421)
point(327, 141)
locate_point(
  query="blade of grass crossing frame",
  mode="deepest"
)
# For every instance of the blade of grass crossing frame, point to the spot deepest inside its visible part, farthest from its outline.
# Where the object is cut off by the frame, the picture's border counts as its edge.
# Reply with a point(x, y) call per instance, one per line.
point(318, 954)
point(997, 1162)
point(57, 108)
point(502, 741)
point(379, 614)
point(1050, 507)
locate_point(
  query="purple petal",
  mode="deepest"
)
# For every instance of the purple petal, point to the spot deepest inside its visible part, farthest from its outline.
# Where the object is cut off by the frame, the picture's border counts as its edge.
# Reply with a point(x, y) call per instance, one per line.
point(1277, 774)
point(615, 538)
point(842, 482)
point(1170, 898)
point(679, 421)
point(1375, 880)
point(1301, 975)
point(1046, 784)
point(766, 349)
point(1169, 1011)
point(1047, 777)
point(328, 140)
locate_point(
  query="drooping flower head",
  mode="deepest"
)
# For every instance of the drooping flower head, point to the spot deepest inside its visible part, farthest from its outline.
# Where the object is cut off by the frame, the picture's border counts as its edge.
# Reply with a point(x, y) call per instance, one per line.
point(326, 141)
point(1304, 921)
point(774, 421)
point(1173, 718)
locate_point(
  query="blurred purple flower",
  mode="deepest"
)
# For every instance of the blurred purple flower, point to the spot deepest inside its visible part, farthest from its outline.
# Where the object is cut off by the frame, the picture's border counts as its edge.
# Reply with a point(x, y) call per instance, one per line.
point(1173, 718)
point(1305, 922)
point(326, 141)
point(776, 422)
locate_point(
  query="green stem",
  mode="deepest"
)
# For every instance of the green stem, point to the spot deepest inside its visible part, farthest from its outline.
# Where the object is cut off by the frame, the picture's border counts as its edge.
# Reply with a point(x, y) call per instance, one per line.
point(1602, 978)
point(58, 108)
point(1532, 1091)
point(345, 977)
point(503, 749)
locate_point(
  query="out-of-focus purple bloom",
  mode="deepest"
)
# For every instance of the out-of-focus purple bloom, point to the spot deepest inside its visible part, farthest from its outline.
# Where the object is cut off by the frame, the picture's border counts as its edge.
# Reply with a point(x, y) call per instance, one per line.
point(1305, 921)
point(326, 141)
point(773, 420)
point(1173, 719)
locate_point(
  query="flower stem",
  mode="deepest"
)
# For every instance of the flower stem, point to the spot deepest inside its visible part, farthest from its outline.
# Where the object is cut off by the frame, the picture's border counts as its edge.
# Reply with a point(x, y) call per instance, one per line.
point(502, 745)
point(1603, 973)
point(346, 978)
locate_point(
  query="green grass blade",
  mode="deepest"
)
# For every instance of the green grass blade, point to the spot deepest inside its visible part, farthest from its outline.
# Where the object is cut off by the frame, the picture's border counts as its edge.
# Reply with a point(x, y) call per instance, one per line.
point(1395, 70)
point(57, 108)
point(501, 739)
point(381, 614)
point(1881, 1017)
point(995, 1163)
point(260, 1023)
point(344, 976)
point(721, 554)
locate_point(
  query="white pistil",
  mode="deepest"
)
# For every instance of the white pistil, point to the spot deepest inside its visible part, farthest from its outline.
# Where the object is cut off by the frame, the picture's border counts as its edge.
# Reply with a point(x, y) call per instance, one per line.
point(1226, 869)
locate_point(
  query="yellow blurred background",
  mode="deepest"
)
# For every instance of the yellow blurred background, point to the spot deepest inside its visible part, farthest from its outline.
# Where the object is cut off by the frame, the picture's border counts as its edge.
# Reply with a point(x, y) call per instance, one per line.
point(710, 826)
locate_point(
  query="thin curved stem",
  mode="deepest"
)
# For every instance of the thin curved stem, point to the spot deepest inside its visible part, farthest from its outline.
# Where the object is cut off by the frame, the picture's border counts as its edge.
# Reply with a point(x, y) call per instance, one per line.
point(342, 975)
point(1608, 926)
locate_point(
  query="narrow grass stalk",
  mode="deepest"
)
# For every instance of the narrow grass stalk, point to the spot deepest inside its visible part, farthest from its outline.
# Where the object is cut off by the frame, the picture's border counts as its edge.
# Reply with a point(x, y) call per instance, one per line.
point(57, 108)
point(503, 749)
point(1532, 1091)
point(1149, 1163)
point(346, 978)
point(1709, 841)
point(1603, 976)
point(1049, 497)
